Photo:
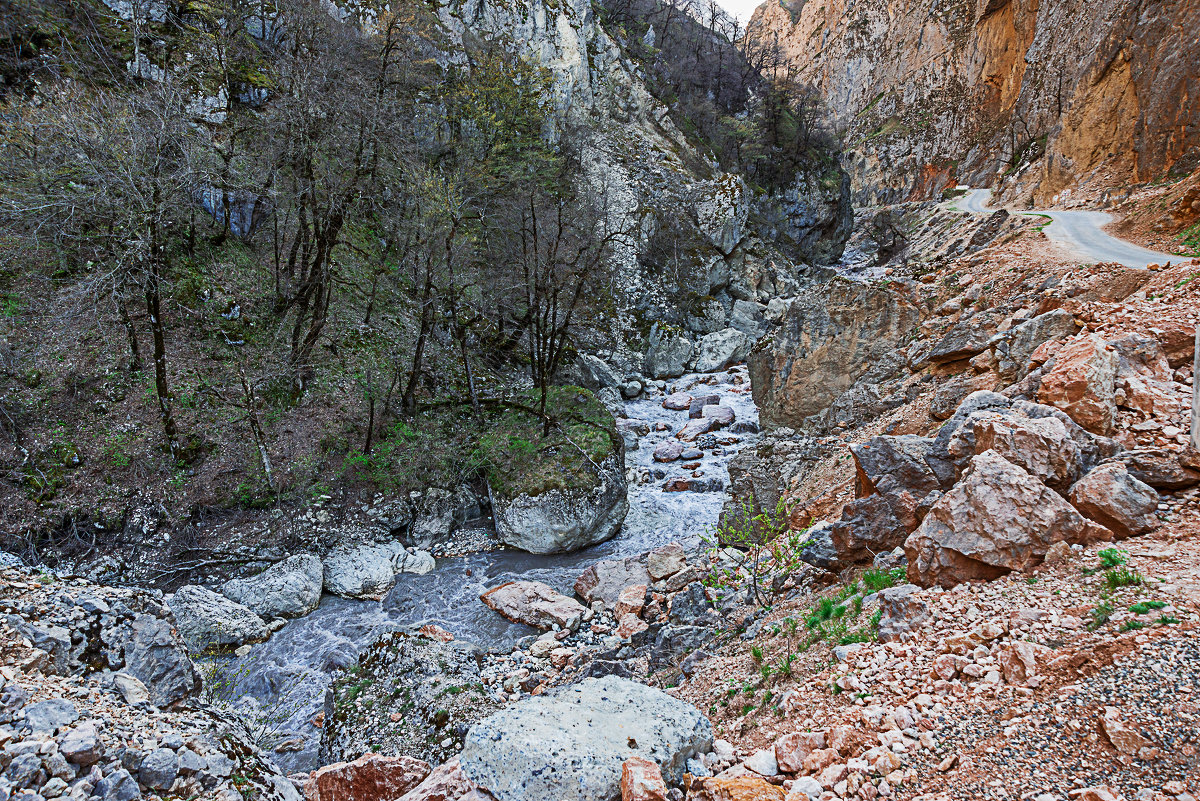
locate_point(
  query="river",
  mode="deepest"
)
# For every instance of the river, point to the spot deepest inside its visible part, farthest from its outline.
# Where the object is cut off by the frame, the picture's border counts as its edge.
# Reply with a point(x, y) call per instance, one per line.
point(290, 672)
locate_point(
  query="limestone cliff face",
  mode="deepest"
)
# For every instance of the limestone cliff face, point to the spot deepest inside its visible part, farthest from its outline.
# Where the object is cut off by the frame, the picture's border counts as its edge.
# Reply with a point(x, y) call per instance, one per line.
point(1035, 96)
point(739, 243)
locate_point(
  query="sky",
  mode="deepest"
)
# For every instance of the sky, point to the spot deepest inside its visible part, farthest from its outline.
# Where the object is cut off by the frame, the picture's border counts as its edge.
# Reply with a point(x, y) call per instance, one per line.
point(742, 9)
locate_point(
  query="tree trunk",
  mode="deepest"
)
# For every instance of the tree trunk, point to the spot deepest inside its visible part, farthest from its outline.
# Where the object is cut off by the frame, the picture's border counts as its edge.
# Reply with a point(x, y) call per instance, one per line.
point(135, 350)
point(158, 332)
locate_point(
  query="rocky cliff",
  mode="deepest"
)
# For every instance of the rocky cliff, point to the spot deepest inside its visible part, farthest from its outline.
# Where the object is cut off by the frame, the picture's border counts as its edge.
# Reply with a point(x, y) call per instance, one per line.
point(704, 237)
point(1037, 97)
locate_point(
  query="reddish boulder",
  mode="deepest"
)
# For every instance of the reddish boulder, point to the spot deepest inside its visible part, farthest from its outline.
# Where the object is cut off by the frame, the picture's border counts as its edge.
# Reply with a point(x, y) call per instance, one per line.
point(734, 788)
point(371, 777)
point(534, 604)
point(642, 780)
point(1082, 383)
point(447, 783)
point(1116, 500)
point(792, 749)
point(998, 518)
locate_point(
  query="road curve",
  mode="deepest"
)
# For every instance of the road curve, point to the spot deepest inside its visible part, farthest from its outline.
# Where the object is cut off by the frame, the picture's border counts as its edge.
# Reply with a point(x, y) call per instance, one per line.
point(1080, 232)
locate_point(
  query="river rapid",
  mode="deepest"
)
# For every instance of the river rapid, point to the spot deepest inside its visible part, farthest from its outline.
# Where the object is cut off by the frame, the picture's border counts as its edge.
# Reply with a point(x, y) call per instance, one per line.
point(289, 673)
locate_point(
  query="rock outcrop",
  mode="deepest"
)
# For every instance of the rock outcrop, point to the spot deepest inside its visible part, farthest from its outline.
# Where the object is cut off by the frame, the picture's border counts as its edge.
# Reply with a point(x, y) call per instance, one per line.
point(841, 334)
point(588, 730)
point(1056, 92)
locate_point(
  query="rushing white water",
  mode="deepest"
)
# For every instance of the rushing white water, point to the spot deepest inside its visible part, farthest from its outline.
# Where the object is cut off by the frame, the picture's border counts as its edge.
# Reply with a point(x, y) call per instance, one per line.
point(295, 664)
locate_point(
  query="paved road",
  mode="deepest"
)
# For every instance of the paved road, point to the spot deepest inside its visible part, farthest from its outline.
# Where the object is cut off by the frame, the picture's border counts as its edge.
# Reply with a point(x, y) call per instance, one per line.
point(1081, 232)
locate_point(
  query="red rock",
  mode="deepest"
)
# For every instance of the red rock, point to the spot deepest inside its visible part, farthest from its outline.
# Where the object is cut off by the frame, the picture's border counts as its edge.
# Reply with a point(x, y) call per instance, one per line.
point(642, 780)
point(630, 625)
point(630, 601)
point(447, 783)
point(1082, 383)
point(1019, 661)
point(371, 777)
point(435, 633)
point(792, 749)
point(819, 760)
point(534, 603)
point(735, 788)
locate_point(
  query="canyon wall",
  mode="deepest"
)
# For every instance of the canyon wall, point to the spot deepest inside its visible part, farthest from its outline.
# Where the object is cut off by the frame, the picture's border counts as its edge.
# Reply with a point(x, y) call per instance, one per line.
point(1032, 96)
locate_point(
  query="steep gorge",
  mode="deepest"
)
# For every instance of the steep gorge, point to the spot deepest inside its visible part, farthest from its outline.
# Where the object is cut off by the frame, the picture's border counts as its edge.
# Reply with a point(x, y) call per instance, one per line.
point(1033, 96)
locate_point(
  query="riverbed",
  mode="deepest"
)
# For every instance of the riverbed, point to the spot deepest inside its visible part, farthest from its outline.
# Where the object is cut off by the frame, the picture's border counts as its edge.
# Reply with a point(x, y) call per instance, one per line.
point(289, 673)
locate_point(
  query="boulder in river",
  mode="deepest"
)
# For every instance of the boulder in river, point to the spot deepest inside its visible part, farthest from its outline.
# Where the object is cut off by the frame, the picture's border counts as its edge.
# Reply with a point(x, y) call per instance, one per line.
point(720, 349)
point(291, 588)
point(604, 580)
point(668, 451)
point(590, 728)
point(208, 621)
point(564, 520)
point(361, 570)
point(534, 604)
point(677, 401)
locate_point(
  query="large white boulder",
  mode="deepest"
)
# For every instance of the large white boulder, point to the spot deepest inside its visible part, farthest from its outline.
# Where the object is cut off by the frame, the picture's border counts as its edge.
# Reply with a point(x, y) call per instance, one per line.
point(563, 520)
point(570, 746)
point(291, 588)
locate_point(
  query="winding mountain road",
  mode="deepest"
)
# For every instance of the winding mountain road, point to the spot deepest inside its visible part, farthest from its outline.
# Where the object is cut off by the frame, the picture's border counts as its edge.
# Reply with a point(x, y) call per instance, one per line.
point(1082, 232)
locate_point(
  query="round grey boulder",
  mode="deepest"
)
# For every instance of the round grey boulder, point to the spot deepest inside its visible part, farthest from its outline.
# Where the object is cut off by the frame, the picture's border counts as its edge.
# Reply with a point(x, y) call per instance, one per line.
point(291, 588)
point(208, 621)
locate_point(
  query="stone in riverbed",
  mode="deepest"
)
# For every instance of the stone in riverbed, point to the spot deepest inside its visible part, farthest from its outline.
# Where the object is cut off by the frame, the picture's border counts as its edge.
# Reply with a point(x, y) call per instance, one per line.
point(700, 402)
point(592, 728)
point(207, 620)
point(668, 451)
point(677, 401)
point(695, 428)
point(534, 604)
point(291, 588)
point(719, 414)
point(368, 569)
